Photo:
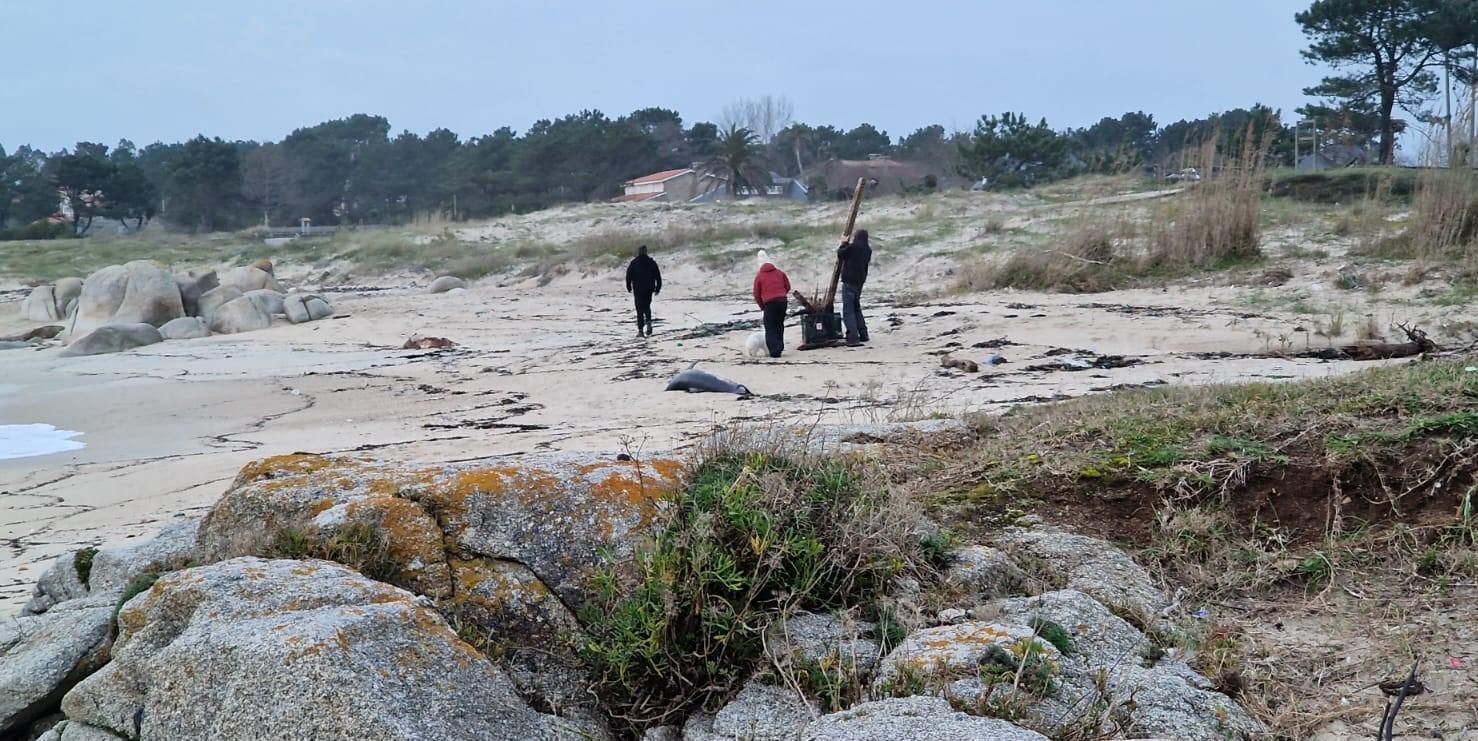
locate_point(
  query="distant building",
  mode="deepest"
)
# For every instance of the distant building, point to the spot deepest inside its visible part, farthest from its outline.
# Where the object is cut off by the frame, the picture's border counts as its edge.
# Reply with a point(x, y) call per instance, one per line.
point(779, 187)
point(669, 186)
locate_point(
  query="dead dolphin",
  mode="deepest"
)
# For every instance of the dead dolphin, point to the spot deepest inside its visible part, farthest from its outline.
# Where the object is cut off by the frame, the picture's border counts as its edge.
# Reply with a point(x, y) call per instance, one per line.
point(696, 381)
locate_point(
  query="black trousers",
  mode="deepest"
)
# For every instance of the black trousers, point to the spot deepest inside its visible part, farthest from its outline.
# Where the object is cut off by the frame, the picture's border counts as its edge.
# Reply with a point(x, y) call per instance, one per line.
point(852, 313)
point(775, 326)
point(643, 308)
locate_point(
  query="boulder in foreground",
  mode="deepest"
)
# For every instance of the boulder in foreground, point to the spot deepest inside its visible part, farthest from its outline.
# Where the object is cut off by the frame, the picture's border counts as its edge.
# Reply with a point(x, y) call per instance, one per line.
point(252, 649)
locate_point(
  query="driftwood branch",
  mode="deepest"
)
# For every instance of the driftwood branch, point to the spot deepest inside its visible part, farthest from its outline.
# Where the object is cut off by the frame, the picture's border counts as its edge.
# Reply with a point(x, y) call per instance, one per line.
point(806, 304)
point(1417, 344)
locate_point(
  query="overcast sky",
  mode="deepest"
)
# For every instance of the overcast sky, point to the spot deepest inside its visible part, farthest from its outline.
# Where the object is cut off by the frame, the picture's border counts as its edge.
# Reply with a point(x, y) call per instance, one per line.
point(166, 70)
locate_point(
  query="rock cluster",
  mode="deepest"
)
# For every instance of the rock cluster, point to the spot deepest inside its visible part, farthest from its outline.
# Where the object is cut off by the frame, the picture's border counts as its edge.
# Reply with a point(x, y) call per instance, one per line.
point(333, 597)
point(108, 311)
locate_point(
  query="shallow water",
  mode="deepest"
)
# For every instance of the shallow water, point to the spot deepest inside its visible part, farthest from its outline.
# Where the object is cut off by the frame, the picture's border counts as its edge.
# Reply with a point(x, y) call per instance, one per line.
point(25, 441)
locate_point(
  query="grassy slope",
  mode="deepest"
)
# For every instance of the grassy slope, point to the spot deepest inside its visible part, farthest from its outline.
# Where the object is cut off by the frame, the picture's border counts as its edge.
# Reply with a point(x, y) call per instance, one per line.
point(1232, 441)
point(381, 251)
point(1309, 517)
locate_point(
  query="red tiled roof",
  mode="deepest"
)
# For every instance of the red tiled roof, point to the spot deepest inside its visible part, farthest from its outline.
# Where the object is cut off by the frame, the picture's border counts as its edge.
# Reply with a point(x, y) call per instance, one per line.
point(636, 197)
point(658, 177)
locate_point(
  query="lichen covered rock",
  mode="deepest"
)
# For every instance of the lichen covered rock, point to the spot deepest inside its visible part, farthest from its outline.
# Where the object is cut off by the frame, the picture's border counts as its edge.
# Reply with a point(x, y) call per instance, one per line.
point(1091, 566)
point(297, 504)
point(172, 548)
point(256, 649)
point(913, 718)
point(504, 599)
point(43, 656)
point(558, 515)
point(986, 573)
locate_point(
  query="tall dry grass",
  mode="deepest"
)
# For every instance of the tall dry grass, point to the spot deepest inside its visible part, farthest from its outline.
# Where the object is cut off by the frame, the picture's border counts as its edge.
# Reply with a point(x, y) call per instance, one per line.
point(1216, 223)
point(1444, 218)
point(1089, 260)
point(1443, 225)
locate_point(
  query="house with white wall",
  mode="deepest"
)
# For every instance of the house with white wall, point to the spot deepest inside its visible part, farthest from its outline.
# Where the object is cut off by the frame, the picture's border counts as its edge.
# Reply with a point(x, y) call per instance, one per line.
point(669, 186)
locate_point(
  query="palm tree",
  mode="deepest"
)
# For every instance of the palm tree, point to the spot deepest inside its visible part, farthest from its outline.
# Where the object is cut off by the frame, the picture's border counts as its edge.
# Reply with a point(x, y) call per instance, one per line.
point(736, 157)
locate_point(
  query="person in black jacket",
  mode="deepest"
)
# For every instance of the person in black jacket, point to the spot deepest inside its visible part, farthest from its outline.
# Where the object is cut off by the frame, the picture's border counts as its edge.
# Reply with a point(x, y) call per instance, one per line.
point(643, 281)
point(855, 255)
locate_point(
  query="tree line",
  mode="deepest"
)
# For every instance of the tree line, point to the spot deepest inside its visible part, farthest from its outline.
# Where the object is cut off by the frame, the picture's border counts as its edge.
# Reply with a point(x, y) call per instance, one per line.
point(1386, 54)
point(354, 171)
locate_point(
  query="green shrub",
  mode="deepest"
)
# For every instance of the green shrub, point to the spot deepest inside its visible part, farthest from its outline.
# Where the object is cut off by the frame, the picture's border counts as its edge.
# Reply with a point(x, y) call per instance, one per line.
point(833, 682)
point(890, 631)
point(938, 548)
point(751, 538)
point(1025, 662)
point(82, 562)
point(1054, 634)
point(136, 586)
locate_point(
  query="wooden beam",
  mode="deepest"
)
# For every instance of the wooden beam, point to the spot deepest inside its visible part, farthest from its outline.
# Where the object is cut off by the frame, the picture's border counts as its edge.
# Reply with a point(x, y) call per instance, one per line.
point(836, 273)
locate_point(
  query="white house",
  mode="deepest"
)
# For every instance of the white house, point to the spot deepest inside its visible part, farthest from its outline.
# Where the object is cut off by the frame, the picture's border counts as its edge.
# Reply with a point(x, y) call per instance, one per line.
point(669, 186)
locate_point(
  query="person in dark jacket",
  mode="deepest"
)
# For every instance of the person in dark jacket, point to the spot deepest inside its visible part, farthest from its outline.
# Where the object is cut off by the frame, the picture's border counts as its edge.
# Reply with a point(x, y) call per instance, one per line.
point(771, 292)
point(855, 255)
point(643, 281)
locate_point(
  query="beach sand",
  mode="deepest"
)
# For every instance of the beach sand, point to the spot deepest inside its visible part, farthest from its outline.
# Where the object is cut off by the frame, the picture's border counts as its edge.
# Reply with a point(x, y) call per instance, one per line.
point(557, 367)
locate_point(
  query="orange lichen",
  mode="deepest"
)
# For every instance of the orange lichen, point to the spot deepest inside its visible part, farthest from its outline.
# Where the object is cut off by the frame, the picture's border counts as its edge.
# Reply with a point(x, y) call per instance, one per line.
point(428, 622)
point(666, 468)
point(412, 536)
point(486, 585)
point(451, 499)
point(983, 635)
point(321, 506)
point(282, 465)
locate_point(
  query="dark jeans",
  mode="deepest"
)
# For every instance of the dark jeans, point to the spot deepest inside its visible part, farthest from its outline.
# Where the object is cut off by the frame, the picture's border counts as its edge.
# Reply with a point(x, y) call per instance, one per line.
point(775, 326)
point(643, 309)
point(852, 313)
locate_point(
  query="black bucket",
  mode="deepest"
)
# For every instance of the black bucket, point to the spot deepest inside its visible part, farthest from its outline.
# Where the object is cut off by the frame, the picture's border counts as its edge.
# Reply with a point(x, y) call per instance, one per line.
point(820, 328)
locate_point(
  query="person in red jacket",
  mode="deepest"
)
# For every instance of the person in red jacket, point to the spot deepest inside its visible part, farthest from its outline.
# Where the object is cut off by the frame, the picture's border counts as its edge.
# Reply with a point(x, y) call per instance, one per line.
point(771, 292)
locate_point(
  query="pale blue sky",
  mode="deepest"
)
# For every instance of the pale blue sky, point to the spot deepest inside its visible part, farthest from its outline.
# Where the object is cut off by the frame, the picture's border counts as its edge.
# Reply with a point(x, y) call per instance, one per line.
point(169, 69)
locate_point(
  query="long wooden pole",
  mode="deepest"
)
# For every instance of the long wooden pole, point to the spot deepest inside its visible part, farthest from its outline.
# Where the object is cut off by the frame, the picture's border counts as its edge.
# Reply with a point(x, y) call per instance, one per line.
point(836, 272)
